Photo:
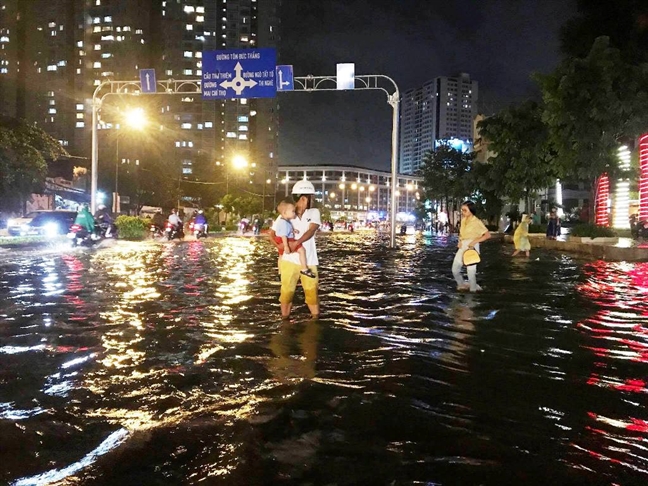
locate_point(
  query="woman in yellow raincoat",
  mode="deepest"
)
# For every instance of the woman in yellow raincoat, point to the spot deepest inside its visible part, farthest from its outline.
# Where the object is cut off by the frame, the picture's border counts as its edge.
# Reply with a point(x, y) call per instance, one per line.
point(521, 236)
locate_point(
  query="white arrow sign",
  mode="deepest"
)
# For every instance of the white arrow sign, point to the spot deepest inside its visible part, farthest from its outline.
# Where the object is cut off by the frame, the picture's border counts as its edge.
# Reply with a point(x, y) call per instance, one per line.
point(148, 82)
point(238, 84)
point(282, 83)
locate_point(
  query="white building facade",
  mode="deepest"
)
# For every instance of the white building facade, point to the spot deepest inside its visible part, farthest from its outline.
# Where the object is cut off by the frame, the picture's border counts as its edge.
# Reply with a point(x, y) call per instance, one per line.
point(442, 109)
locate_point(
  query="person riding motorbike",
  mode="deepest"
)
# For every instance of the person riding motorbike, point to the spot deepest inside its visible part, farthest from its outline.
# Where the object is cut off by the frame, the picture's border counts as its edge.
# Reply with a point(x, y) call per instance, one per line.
point(174, 219)
point(85, 220)
point(200, 218)
point(158, 219)
point(200, 223)
point(103, 218)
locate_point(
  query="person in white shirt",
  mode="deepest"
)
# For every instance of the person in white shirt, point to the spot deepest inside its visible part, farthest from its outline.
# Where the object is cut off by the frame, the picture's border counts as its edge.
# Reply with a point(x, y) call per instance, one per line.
point(174, 219)
point(306, 223)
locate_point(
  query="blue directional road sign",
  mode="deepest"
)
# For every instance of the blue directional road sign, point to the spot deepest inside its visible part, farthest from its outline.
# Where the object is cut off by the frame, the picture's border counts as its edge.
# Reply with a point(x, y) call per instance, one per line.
point(148, 81)
point(239, 73)
point(285, 79)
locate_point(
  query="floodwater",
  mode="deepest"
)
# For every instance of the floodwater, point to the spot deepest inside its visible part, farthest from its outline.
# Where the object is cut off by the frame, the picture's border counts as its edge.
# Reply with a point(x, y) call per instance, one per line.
point(167, 363)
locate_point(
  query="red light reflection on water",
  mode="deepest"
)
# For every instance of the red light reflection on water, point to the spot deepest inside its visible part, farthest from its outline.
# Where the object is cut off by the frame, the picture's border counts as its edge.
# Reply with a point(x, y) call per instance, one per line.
point(619, 329)
point(74, 286)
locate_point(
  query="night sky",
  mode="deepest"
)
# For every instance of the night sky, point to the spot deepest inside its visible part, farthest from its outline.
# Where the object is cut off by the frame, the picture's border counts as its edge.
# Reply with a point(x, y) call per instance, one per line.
point(498, 42)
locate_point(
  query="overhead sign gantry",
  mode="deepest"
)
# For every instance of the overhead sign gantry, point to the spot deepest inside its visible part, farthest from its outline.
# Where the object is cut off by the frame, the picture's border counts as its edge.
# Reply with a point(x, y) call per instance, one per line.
point(250, 73)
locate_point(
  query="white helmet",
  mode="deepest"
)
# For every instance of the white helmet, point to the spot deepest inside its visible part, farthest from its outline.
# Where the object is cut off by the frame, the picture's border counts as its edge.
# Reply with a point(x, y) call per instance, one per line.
point(303, 187)
point(101, 207)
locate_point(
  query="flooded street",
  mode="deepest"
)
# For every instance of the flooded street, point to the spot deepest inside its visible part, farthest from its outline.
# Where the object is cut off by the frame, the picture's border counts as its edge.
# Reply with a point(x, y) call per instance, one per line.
point(168, 363)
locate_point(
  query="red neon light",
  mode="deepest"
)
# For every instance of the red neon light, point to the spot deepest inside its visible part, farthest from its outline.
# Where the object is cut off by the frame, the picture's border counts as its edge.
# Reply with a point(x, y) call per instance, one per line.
point(643, 177)
point(602, 217)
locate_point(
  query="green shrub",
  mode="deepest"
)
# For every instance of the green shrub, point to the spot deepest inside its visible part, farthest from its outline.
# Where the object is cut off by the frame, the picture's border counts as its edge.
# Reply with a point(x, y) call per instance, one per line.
point(537, 228)
point(132, 227)
point(231, 227)
point(589, 230)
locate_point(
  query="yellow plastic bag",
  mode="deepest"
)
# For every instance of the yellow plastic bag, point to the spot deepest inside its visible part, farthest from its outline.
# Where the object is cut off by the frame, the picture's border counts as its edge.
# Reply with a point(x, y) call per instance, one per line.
point(471, 257)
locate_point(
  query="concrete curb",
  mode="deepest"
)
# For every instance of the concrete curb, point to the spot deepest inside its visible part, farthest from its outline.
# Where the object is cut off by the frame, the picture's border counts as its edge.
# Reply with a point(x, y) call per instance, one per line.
point(624, 251)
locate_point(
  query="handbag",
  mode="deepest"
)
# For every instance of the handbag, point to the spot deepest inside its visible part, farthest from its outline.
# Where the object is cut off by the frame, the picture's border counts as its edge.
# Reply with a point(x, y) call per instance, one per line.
point(471, 257)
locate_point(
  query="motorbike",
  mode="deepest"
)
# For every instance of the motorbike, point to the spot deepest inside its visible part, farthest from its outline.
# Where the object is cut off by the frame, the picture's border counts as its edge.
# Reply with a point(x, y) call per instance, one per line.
point(79, 236)
point(106, 230)
point(639, 229)
point(156, 231)
point(199, 230)
point(173, 231)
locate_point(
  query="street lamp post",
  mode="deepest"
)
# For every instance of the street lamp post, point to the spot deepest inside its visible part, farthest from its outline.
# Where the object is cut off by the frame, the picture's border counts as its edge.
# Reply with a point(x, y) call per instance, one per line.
point(135, 119)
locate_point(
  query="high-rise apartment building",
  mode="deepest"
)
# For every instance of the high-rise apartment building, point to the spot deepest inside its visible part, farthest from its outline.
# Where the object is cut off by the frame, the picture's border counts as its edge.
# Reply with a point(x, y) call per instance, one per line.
point(53, 54)
point(441, 109)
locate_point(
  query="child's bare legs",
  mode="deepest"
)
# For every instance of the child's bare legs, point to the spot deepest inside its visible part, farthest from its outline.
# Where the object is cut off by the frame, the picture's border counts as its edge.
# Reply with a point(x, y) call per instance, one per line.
point(527, 253)
point(302, 258)
point(515, 253)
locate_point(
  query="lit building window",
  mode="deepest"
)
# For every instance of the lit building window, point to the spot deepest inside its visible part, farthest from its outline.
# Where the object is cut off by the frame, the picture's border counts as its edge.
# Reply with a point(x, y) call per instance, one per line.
point(80, 124)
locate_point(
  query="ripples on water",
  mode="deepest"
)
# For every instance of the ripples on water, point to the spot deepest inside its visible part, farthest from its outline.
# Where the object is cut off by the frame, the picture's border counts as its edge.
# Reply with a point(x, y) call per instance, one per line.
point(167, 364)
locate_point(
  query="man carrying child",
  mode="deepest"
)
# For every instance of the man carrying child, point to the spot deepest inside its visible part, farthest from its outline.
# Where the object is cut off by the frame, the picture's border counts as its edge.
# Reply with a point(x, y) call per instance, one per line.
point(306, 222)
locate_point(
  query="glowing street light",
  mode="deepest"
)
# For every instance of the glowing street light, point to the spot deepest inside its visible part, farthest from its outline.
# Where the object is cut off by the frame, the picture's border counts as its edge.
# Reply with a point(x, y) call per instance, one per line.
point(135, 119)
point(239, 162)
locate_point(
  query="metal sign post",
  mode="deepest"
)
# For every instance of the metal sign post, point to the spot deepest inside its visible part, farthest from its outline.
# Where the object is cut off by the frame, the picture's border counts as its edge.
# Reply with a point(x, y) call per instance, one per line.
point(371, 81)
point(133, 88)
point(249, 77)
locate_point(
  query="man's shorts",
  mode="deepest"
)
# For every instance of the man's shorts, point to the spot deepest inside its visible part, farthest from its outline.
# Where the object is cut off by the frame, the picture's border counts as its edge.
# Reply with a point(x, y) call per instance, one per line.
point(279, 241)
point(290, 276)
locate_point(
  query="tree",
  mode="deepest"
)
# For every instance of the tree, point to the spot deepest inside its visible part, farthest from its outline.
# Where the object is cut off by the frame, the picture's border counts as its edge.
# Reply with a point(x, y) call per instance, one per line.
point(625, 22)
point(523, 161)
point(487, 191)
point(444, 172)
point(591, 104)
point(24, 150)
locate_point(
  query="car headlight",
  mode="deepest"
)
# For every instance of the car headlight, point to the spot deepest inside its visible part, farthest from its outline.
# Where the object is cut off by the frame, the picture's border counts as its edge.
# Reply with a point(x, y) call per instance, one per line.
point(51, 229)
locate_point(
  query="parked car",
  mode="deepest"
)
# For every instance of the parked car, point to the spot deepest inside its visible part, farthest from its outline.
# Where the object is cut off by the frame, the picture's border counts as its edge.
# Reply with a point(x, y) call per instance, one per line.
point(19, 226)
point(51, 223)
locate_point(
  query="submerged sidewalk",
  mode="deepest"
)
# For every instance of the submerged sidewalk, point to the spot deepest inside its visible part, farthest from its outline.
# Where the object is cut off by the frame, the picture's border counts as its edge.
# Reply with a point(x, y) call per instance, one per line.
point(624, 250)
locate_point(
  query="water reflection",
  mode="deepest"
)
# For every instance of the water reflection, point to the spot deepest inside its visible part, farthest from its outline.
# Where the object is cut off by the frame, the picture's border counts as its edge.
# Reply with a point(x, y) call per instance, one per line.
point(168, 364)
point(617, 336)
point(295, 350)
